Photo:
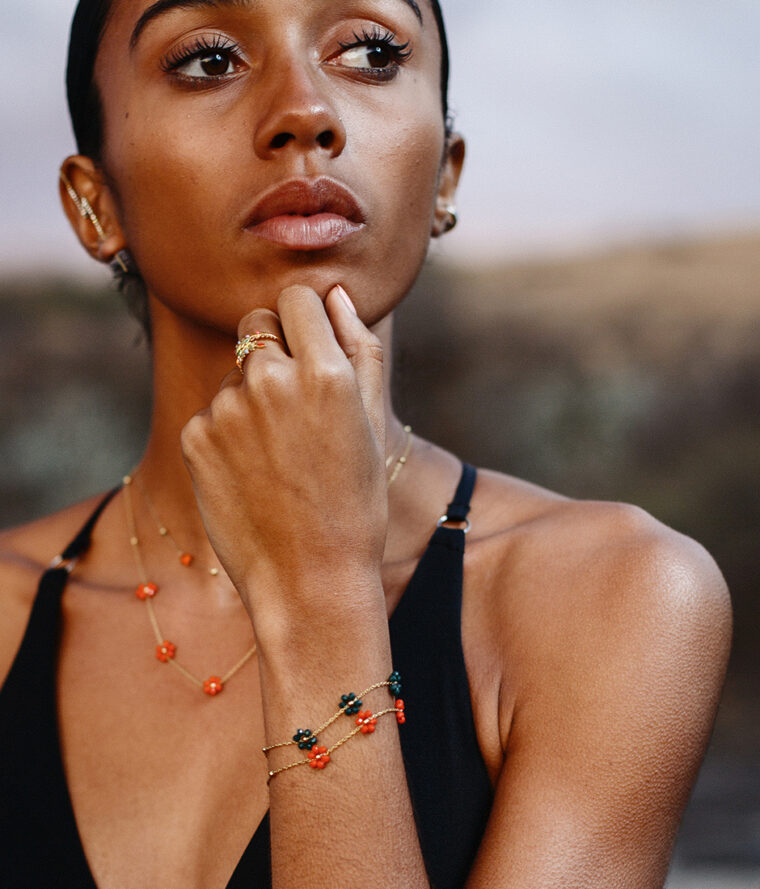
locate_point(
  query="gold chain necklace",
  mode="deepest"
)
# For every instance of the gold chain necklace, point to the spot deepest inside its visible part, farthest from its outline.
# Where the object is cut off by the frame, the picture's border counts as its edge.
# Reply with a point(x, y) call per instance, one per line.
point(400, 461)
point(185, 558)
point(166, 650)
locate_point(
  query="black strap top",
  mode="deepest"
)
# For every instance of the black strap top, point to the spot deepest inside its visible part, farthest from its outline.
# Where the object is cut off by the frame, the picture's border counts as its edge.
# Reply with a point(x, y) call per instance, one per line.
point(448, 782)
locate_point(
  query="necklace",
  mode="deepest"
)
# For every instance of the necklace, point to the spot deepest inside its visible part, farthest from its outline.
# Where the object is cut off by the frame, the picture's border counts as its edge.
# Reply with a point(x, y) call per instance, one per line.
point(166, 651)
point(187, 559)
point(400, 461)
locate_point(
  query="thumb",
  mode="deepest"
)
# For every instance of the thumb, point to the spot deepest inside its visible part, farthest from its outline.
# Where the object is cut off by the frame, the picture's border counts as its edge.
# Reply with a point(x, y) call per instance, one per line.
point(365, 352)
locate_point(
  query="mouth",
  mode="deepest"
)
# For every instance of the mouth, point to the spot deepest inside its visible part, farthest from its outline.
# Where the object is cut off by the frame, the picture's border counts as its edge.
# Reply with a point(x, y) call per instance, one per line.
point(306, 214)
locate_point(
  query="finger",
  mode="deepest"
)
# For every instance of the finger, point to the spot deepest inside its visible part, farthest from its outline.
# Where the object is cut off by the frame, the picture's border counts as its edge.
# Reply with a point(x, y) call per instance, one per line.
point(365, 352)
point(308, 329)
point(233, 378)
point(264, 320)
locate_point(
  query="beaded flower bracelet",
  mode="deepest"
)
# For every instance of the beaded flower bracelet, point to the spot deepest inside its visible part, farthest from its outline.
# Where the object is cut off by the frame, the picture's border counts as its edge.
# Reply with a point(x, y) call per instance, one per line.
point(350, 704)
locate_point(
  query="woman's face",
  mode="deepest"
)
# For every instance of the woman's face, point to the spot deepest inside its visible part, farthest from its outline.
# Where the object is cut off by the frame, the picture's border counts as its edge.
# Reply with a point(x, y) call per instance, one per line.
point(253, 145)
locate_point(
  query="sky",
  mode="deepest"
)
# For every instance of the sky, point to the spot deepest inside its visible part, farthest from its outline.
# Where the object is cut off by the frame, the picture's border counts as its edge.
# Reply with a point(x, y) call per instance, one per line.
point(589, 122)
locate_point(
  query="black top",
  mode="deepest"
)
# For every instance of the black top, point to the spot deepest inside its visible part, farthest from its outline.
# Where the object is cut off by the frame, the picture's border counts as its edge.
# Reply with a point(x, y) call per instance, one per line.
point(448, 782)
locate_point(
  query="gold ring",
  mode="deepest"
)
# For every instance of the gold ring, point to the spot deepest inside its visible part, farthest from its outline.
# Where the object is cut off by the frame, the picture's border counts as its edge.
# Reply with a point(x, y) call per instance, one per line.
point(250, 343)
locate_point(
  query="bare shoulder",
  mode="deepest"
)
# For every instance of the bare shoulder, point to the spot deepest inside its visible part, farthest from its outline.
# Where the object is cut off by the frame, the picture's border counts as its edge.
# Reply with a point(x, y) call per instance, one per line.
point(25, 553)
point(606, 635)
point(581, 588)
point(580, 553)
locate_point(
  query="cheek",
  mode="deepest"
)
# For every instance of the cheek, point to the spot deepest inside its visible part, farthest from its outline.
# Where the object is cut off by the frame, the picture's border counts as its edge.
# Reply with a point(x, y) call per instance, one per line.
point(405, 165)
point(175, 212)
point(185, 186)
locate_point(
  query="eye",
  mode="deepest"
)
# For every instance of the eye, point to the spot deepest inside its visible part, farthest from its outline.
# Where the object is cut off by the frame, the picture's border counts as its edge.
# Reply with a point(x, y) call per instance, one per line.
point(215, 64)
point(377, 52)
point(204, 59)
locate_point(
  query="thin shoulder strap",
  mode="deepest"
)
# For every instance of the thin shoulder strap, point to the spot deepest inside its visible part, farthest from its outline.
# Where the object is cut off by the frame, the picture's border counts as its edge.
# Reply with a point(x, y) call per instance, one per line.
point(459, 508)
point(38, 650)
point(81, 543)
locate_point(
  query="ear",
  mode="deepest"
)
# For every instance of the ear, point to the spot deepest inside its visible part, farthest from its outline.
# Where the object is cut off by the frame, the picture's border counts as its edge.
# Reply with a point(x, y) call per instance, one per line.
point(443, 219)
point(87, 182)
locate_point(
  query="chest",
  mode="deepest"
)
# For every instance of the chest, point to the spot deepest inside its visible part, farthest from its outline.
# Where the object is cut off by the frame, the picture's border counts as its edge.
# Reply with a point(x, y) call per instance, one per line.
point(151, 762)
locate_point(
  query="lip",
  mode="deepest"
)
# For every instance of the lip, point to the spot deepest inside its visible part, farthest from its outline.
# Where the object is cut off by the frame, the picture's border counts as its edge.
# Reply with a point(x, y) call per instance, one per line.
point(306, 214)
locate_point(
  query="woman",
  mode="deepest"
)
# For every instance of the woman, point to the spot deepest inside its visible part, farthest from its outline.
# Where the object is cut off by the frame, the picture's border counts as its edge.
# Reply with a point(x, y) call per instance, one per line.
point(275, 170)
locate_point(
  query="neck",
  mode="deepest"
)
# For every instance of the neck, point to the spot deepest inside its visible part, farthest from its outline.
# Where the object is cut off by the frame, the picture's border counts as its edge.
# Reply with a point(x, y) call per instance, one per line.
point(189, 363)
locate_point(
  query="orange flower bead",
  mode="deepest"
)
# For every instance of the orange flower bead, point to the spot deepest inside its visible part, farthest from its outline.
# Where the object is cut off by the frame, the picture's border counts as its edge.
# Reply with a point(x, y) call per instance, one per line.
point(186, 559)
point(213, 686)
point(319, 757)
point(400, 715)
point(166, 651)
point(146, 591)
point(367, 722)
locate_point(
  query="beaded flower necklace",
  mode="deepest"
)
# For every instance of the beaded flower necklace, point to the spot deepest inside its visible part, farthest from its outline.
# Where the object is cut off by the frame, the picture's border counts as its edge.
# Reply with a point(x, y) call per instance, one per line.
point(166, 650)
point(185, 558)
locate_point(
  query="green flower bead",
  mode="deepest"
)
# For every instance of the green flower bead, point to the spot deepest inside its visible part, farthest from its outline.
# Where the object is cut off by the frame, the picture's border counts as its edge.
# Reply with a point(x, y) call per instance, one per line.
point(350, 703)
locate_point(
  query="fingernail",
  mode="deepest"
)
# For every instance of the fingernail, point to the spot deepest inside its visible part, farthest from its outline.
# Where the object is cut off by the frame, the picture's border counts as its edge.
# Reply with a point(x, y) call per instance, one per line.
point(346, 298)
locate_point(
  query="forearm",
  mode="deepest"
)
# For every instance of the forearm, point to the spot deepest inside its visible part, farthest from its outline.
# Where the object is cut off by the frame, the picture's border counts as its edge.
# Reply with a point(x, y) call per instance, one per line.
point(351, 821)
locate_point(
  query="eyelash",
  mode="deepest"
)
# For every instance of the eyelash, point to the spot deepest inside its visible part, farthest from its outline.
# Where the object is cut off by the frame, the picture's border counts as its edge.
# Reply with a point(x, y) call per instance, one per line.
point(377, 36)
point(380, 37)
point(199, 48)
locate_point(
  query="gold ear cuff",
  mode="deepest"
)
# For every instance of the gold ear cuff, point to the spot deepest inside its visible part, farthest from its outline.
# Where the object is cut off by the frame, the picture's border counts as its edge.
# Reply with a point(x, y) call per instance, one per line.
point(83, 206)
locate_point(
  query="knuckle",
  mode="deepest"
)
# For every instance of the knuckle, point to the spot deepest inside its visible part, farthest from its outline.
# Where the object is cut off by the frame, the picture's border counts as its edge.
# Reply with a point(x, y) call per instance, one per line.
point(266, 376)
point(257, 319)
point(375, 349)
point(225, 404)
point(330, 374)
point(192, 436)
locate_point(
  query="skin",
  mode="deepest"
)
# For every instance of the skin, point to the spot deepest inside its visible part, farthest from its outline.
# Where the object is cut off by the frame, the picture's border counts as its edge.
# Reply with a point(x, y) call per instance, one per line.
point(595, 639)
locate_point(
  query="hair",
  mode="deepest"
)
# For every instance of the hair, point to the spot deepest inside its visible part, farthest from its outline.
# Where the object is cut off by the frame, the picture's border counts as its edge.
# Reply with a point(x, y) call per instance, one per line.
point(86, 109)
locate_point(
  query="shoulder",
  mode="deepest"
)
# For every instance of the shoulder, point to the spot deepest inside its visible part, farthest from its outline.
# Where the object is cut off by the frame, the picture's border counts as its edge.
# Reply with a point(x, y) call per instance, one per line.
point(591, 554)
point(25, 553)
point(597, 593)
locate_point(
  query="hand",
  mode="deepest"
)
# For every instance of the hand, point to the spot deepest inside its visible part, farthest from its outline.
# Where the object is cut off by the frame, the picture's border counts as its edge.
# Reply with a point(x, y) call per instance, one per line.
point(288, 460)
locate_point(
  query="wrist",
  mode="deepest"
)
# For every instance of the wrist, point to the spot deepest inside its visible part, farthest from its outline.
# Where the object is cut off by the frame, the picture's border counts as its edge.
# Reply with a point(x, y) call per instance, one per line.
point(319, 616)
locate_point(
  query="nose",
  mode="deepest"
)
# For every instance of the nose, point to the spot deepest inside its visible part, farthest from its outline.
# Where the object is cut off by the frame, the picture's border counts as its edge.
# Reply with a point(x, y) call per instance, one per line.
point(297, 115)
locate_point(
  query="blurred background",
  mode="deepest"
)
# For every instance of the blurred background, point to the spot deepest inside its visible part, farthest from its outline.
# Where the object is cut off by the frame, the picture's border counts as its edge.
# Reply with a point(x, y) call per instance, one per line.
point(607, 264)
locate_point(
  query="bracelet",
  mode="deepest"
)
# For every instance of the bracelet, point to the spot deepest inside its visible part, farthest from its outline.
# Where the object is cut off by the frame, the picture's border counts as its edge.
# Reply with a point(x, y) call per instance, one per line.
point(350, 704)
point(319, 757)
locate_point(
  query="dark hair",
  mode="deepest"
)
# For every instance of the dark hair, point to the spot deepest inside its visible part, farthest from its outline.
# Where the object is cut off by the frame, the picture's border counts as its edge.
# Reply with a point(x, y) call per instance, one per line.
point(85, 107)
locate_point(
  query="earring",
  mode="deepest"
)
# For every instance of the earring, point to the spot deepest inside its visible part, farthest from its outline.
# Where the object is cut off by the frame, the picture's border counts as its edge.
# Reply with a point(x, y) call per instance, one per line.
point(83, 206)
point(122, 263)
point(451, 219)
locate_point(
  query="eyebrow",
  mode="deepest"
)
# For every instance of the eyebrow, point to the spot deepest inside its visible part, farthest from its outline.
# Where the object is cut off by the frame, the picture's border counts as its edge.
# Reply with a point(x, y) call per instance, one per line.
point(162, 6)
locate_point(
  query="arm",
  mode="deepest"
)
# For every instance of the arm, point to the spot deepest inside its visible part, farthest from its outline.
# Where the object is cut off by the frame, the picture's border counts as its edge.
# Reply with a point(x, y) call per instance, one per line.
point(616, 673)
point(288, 466)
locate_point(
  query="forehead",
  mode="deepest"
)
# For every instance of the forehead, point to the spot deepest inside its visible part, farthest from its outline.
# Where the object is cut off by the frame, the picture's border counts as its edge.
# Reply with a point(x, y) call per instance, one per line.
point(145, 11)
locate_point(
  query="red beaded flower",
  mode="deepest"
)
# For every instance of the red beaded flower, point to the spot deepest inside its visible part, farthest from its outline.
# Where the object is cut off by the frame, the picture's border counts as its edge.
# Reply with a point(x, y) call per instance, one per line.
point(400, 715)
point(166, 651)
point(319, 757)
point(367, 721)
point(146, 591)
point(213, 686)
